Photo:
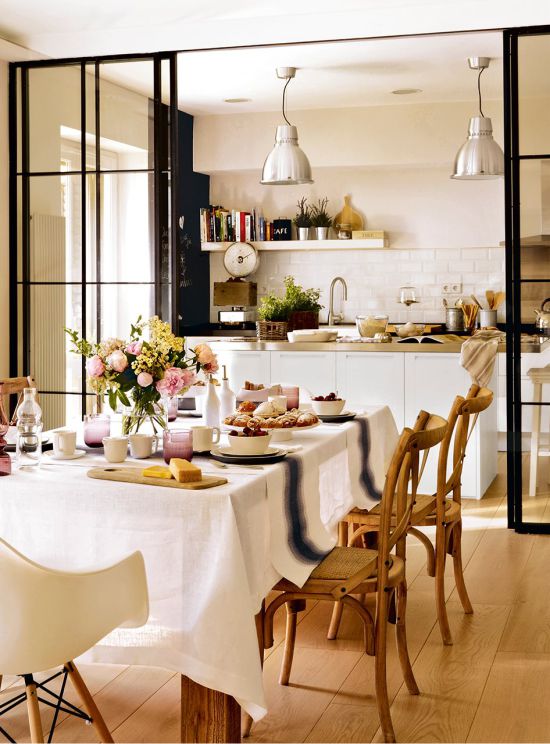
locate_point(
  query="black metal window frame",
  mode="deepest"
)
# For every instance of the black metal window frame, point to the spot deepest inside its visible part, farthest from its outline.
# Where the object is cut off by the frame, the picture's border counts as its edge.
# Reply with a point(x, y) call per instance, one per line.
point(514, 281)
point(165, 154)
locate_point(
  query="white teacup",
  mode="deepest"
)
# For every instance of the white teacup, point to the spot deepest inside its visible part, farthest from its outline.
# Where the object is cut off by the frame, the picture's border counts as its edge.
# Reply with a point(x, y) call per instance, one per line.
point(142, 445)
point(116, 448)
point(204, 437)
point(64, 442)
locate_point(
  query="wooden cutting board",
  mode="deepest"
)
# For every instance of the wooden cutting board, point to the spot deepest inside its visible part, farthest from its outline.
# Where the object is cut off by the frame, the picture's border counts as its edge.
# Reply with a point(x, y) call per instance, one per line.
point(133, 475)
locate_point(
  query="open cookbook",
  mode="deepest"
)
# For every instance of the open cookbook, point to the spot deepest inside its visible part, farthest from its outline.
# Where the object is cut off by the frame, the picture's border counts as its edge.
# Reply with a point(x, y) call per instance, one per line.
point(444, 338)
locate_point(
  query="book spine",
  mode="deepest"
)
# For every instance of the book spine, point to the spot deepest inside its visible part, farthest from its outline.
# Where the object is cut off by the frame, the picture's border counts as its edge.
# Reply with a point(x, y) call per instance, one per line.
point(237, 227)
point(366, 234)
point(248, 226)
point(242, 216)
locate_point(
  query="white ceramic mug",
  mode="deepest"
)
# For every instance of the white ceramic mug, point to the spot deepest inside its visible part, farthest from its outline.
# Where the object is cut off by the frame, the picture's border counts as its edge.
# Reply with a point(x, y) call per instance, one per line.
point(116, 448)
point(64, 442)
point(204, 437)
point(142, 445)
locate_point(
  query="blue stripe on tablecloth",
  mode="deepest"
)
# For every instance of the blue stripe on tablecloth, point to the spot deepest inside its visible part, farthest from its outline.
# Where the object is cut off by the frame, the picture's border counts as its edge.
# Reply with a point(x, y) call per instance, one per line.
point(301, 546)
point(366, 477)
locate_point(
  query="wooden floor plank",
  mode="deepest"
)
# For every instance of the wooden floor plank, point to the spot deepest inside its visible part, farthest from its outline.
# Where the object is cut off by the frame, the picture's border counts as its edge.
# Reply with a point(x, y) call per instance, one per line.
point(158, 719)
point(513, 706)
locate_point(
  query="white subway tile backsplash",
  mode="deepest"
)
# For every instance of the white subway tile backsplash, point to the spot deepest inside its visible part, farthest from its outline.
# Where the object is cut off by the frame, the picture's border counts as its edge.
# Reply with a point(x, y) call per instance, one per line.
point(374, 277)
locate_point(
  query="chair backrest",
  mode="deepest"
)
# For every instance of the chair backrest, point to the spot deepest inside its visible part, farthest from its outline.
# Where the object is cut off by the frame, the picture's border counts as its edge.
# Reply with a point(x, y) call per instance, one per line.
point(49, 617)
point(14, 386)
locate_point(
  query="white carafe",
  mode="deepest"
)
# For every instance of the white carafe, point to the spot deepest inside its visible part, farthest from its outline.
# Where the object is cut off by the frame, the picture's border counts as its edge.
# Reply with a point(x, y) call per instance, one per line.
point(211, 410)
point(227, 397)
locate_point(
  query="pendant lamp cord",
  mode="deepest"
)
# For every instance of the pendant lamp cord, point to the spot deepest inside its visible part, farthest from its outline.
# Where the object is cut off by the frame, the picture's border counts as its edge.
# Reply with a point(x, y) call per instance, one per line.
point(284, 92)
point(478, 90)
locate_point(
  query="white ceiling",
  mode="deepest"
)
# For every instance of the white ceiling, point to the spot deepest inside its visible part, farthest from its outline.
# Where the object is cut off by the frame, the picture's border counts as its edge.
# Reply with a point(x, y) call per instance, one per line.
point(65, 28)
point(343, 74)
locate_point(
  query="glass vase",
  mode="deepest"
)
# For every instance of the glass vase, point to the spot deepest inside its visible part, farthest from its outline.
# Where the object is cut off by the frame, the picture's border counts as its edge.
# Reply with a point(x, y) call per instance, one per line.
point(145, 418)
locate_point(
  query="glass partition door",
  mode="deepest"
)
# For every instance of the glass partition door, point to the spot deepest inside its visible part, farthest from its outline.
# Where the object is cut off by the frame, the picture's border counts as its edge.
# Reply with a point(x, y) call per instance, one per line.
point(527, 99)
point(91, 236)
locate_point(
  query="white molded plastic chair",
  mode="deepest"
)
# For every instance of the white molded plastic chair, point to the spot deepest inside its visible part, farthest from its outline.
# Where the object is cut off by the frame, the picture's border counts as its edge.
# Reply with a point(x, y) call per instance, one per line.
point(49, 617)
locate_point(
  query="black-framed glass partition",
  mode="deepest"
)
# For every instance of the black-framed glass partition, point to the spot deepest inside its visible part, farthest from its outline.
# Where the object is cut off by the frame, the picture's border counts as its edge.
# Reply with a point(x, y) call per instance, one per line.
point(527, 98)
point(92, 241)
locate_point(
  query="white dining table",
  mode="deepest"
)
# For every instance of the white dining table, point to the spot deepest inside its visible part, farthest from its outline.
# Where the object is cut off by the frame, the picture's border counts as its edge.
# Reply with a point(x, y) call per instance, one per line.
point(211, 556)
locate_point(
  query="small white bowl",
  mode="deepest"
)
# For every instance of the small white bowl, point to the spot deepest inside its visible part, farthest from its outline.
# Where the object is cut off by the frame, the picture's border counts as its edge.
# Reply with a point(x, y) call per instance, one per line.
point(249, 445)
point(328, 407)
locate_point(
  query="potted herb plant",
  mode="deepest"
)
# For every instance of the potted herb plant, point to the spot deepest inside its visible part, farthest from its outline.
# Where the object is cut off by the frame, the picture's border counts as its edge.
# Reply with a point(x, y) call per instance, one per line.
point(272, 320)
point(302, 304)
point(320, 218)
point(303, 219)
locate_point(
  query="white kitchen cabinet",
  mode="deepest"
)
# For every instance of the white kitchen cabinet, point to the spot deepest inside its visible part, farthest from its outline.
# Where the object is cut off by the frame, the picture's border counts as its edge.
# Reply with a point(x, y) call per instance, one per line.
point(373, 379)
point(245, 365)
point(313, 370)
point(432, 381)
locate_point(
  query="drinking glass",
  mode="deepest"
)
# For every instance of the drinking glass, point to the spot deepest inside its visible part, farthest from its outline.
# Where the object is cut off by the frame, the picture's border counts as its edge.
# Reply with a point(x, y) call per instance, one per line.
point(177, 443)
point(292, 393)
point(408, 296)
point(172, 408)
point(96, 427)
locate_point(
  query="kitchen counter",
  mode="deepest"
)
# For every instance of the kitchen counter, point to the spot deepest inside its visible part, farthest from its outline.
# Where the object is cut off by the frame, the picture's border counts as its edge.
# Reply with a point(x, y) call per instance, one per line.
point(221, 343)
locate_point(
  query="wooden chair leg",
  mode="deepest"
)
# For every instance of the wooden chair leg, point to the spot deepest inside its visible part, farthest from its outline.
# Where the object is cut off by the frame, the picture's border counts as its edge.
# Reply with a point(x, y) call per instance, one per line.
point(440, 555)
point(458, 570)
point(337, 610)
point(246, 723)
point(427, 543)
point(381, 682)
point(33, 710)
point(290, 639)
point(401, 638)
point(88, 703)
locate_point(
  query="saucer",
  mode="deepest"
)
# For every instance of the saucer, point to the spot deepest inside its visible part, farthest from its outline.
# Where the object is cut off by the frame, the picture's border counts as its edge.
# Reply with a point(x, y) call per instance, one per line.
point(229, 452)
point(266, 459)
point(78, 453)
point(338, 418)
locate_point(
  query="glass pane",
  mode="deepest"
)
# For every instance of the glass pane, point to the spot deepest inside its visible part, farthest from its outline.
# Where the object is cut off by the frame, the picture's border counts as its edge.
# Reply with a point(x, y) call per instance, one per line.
point(55, 229)
point(535, 460)
point(60, 410)
point(121, 305)
point(54, 117)
point(127, 225)
point(126, 115)
point(534, 94)
point(535, 219)
point(53, 308)
point(91, 163)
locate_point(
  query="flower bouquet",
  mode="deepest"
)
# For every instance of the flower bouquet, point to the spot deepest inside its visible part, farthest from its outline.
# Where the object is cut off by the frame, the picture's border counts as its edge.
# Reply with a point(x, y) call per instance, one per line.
point(139, 373)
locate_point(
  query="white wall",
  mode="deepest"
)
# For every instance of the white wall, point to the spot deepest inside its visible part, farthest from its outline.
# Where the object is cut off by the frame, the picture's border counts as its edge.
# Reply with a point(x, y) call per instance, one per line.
point(395, 162)
point(4, 224)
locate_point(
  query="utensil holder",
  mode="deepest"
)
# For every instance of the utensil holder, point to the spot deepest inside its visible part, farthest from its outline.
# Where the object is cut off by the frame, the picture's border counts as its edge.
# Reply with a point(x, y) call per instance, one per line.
point(487, 318)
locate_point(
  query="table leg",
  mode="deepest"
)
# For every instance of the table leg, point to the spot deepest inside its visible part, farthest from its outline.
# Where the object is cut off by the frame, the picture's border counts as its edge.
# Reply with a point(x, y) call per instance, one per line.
point(208, 715)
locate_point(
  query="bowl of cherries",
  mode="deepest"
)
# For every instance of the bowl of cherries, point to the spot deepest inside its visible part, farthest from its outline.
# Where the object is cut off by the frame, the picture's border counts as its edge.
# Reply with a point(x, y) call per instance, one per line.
point(249, 441)
point(328, 405)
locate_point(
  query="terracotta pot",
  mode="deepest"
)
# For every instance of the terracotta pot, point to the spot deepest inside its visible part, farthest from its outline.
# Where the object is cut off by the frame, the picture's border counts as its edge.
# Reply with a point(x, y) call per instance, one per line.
point(302, 319)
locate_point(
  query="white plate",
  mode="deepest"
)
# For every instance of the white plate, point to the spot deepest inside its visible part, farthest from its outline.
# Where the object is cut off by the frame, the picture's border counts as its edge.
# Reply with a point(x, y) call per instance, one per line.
point(276, 429)
point(338, 415)
point(229, 452)
point(74, 456)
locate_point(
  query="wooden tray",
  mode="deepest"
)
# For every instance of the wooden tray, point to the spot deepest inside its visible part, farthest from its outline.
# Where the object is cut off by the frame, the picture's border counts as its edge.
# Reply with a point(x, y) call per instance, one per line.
point(133, 475)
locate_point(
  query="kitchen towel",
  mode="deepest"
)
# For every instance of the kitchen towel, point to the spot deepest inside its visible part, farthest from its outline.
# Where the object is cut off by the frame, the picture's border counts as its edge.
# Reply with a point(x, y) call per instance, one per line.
point(478, 355)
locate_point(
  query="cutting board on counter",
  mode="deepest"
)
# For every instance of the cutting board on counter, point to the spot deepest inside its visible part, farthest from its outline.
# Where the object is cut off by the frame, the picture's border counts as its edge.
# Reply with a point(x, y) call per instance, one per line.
point(133, 475)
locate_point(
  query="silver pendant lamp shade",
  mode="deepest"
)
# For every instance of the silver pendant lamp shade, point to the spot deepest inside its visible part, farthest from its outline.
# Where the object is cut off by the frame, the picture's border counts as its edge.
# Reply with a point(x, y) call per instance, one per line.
point(286, 164)
point(480, 157)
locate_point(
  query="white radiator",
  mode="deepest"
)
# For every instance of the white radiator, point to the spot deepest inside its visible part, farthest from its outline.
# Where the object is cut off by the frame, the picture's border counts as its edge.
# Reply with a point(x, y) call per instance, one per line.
point(48, 314)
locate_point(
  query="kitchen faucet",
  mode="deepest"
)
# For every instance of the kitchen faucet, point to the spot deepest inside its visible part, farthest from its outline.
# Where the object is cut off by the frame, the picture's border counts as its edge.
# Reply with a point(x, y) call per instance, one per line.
point(334, 318)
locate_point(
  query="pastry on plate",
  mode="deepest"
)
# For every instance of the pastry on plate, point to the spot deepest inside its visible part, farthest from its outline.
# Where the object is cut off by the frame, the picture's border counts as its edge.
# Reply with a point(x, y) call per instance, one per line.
point(307, 419)
point(246, 406)
point(230, 419)
point(266, 409)
point(241, 420)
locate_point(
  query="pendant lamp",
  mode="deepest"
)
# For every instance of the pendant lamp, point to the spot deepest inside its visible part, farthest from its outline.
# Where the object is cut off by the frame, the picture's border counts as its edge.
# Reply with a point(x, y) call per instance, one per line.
point(286, 164)
point(480, 156)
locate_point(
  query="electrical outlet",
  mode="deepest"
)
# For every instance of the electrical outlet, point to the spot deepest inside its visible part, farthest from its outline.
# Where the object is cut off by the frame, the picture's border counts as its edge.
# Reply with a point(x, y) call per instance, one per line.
point(452, 288)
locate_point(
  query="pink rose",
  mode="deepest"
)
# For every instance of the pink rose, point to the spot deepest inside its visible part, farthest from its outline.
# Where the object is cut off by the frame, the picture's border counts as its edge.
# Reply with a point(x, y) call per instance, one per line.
point(134, 347)
point(205, 355)
point(118, 360)
point(211, 367)
point(144, 379)
point(174, 380)
point(95, 366)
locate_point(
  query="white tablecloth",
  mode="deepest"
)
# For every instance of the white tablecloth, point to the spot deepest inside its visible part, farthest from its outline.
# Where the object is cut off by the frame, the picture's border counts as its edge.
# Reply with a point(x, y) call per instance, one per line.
point(211, 556)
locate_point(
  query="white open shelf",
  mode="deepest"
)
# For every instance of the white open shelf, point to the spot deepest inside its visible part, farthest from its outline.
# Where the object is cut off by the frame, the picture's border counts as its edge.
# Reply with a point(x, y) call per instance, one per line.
point(302, 245)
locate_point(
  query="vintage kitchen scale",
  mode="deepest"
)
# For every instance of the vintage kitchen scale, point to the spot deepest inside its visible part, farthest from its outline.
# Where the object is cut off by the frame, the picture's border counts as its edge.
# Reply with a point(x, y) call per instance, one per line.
point(240, 260)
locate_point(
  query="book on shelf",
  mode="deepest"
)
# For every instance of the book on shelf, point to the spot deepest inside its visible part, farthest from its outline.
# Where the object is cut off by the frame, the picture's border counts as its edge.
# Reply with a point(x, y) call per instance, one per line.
point(367, 234)
point(220, 225)
point(444, 338)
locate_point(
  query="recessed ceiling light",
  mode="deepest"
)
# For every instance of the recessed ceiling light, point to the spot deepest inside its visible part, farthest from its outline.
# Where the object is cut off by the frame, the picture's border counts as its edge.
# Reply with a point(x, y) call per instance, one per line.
point(406, 91)
point(236, 100)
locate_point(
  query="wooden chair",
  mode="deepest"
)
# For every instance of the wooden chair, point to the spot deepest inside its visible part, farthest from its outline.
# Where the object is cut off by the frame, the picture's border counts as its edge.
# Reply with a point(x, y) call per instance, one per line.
point(441, 509)
point(14, 386)
point(347, 570)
